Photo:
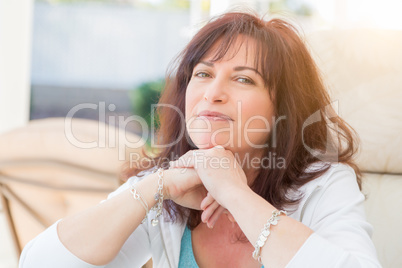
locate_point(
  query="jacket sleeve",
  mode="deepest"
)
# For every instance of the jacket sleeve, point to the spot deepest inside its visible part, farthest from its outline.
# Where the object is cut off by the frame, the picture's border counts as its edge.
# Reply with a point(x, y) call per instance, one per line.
point(46, 250)
point(342, 236)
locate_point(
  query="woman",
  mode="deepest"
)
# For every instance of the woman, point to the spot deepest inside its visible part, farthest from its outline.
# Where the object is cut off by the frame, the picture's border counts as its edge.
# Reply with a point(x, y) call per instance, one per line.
point(259, 178)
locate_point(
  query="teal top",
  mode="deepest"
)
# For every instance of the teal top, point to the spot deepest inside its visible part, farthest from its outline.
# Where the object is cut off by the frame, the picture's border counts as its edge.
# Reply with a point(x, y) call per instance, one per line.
point(187, 259)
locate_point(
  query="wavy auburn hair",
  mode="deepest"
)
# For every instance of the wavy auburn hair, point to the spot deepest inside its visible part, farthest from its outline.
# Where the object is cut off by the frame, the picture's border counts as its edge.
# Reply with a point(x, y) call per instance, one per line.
point(290, 74)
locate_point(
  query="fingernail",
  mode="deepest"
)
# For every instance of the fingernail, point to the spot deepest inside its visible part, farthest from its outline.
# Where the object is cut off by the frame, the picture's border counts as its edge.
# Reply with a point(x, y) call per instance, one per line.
point(219, 147)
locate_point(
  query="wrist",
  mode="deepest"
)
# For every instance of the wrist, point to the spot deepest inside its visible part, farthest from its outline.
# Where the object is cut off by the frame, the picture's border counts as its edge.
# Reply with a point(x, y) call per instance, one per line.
point(148, 186)
point(167, 182)
point(231, 195)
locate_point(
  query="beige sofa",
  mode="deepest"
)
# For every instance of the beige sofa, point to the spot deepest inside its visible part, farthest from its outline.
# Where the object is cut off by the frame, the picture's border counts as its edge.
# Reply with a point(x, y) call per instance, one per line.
point(47, 173)
point(363, 69)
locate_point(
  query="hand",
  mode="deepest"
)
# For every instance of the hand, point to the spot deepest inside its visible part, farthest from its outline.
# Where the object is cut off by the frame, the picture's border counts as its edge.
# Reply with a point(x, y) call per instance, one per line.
point(184, 187)
point(195, 197)
point(212, 211)
point(219, 172)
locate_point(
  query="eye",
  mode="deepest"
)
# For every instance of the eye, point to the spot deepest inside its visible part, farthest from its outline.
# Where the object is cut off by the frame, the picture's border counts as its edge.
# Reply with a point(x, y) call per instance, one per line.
point(202, 74)
point(245, 80)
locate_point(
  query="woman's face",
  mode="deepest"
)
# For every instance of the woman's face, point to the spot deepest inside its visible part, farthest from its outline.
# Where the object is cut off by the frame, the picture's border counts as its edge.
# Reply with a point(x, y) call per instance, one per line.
point(227, 102)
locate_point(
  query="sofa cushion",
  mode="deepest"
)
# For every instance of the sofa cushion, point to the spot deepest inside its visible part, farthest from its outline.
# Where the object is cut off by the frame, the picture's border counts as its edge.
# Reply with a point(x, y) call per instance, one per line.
point(383, 208)
point(363, 70)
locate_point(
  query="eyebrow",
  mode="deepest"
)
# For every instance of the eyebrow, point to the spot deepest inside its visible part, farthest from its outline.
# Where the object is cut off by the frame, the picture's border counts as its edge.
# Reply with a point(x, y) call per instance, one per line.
point(237, 68)
point(207, 63)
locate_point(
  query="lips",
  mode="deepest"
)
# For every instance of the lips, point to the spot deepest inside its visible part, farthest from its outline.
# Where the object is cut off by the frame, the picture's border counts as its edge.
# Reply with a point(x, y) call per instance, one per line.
point(215, 116)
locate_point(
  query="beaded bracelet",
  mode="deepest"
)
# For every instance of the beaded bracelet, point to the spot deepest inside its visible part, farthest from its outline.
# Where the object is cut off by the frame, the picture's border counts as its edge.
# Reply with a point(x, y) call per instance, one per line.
point(265, 233)
point(159, 198)
point(137, 196)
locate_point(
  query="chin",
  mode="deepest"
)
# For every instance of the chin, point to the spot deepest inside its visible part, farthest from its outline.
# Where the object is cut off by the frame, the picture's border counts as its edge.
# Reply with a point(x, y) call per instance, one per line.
point(205, 141)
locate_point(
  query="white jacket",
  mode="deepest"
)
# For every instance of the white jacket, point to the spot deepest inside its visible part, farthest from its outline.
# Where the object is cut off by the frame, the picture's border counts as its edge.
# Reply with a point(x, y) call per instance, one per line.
point(332, 206)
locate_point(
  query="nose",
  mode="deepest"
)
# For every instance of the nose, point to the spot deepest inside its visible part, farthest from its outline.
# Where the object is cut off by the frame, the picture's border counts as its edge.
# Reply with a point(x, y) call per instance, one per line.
point(216, 92)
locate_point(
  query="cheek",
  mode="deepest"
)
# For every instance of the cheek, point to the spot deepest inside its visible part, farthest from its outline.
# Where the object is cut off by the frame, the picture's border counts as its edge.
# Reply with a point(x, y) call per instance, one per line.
point(258, 105)
point(191, 101)
point(257, 120)
point(187, 106)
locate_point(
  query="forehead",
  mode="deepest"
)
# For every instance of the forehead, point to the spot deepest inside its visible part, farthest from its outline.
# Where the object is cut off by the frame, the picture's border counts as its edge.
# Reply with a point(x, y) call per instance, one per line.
point(242, 49)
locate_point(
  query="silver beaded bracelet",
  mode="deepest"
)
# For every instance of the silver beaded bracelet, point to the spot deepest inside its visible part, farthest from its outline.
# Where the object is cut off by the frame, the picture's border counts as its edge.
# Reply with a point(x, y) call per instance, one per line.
point(265, 233)
point(159, 198)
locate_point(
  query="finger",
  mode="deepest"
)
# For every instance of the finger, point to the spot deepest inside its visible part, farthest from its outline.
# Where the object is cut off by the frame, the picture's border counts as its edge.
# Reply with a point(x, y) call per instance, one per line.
point(199, 195)
point(230, 217)
point(208, 200)
point(206, 214)
point(212, 219)
point(186, 160)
